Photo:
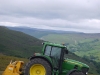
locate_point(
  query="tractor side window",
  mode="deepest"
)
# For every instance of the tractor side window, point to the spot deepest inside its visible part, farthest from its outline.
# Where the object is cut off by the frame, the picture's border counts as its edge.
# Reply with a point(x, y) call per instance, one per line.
point(47, 50)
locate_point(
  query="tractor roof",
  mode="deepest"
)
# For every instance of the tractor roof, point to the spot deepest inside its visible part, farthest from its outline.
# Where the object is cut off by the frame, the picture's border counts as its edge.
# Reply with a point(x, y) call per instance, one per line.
point(54, 44)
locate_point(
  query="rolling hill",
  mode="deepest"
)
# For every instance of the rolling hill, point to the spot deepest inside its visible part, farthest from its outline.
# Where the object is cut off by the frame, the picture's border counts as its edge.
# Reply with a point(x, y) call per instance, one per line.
point(19, 44)
point(38, 33)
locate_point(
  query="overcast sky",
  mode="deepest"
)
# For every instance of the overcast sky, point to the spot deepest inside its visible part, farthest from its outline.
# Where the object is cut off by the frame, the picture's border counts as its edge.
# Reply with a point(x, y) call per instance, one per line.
point(69, 15)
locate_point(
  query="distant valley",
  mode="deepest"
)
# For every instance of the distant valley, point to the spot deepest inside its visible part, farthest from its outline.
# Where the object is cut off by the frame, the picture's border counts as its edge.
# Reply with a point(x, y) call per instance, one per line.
point(83, 44)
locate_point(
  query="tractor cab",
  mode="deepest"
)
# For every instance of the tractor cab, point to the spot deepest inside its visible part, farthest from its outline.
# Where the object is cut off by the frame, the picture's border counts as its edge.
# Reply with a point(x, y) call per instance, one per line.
point(56, 53)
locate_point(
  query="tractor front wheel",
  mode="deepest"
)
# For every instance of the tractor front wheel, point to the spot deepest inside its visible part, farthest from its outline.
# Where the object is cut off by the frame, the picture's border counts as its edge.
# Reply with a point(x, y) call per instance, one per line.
point(37, 66)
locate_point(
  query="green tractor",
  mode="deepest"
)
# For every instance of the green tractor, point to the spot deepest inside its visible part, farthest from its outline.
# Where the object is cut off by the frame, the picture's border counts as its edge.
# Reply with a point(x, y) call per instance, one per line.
point(52, 61)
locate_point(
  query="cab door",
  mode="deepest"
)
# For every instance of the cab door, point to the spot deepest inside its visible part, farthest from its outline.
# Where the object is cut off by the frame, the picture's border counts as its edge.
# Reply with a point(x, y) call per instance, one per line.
point(56, 55)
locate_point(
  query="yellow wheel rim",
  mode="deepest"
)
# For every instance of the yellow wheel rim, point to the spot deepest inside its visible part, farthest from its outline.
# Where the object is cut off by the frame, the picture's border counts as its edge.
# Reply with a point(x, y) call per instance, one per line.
point(37, 69)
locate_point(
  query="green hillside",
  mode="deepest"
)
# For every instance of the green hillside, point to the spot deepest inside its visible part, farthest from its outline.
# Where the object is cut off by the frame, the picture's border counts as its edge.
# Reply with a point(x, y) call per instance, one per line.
point(17, 43)
point(81, 44)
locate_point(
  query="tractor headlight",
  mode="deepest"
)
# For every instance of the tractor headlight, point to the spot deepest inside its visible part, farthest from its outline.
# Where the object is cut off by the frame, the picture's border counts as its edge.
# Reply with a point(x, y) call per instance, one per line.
point(86, 73)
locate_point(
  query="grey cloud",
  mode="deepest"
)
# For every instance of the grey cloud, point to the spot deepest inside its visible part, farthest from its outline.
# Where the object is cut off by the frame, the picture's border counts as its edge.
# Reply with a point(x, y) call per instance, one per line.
point(78, 15)
point(52, 9)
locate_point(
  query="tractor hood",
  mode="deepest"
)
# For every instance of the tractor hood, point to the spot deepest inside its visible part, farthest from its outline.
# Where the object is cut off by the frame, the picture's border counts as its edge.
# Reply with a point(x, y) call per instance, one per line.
point(69, 64)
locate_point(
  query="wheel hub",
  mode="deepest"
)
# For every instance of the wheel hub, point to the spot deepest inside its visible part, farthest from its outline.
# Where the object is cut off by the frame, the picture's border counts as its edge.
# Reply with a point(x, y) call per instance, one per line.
point(37, 69)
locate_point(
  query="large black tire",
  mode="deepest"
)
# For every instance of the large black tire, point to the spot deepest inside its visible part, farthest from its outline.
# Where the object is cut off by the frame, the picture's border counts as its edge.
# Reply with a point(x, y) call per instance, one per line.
point(40, 61)
point(77, 73)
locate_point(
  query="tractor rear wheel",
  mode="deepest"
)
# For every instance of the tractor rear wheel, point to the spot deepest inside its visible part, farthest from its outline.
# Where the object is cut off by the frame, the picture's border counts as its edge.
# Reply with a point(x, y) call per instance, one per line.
point(38, 66)
point(77, 73)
